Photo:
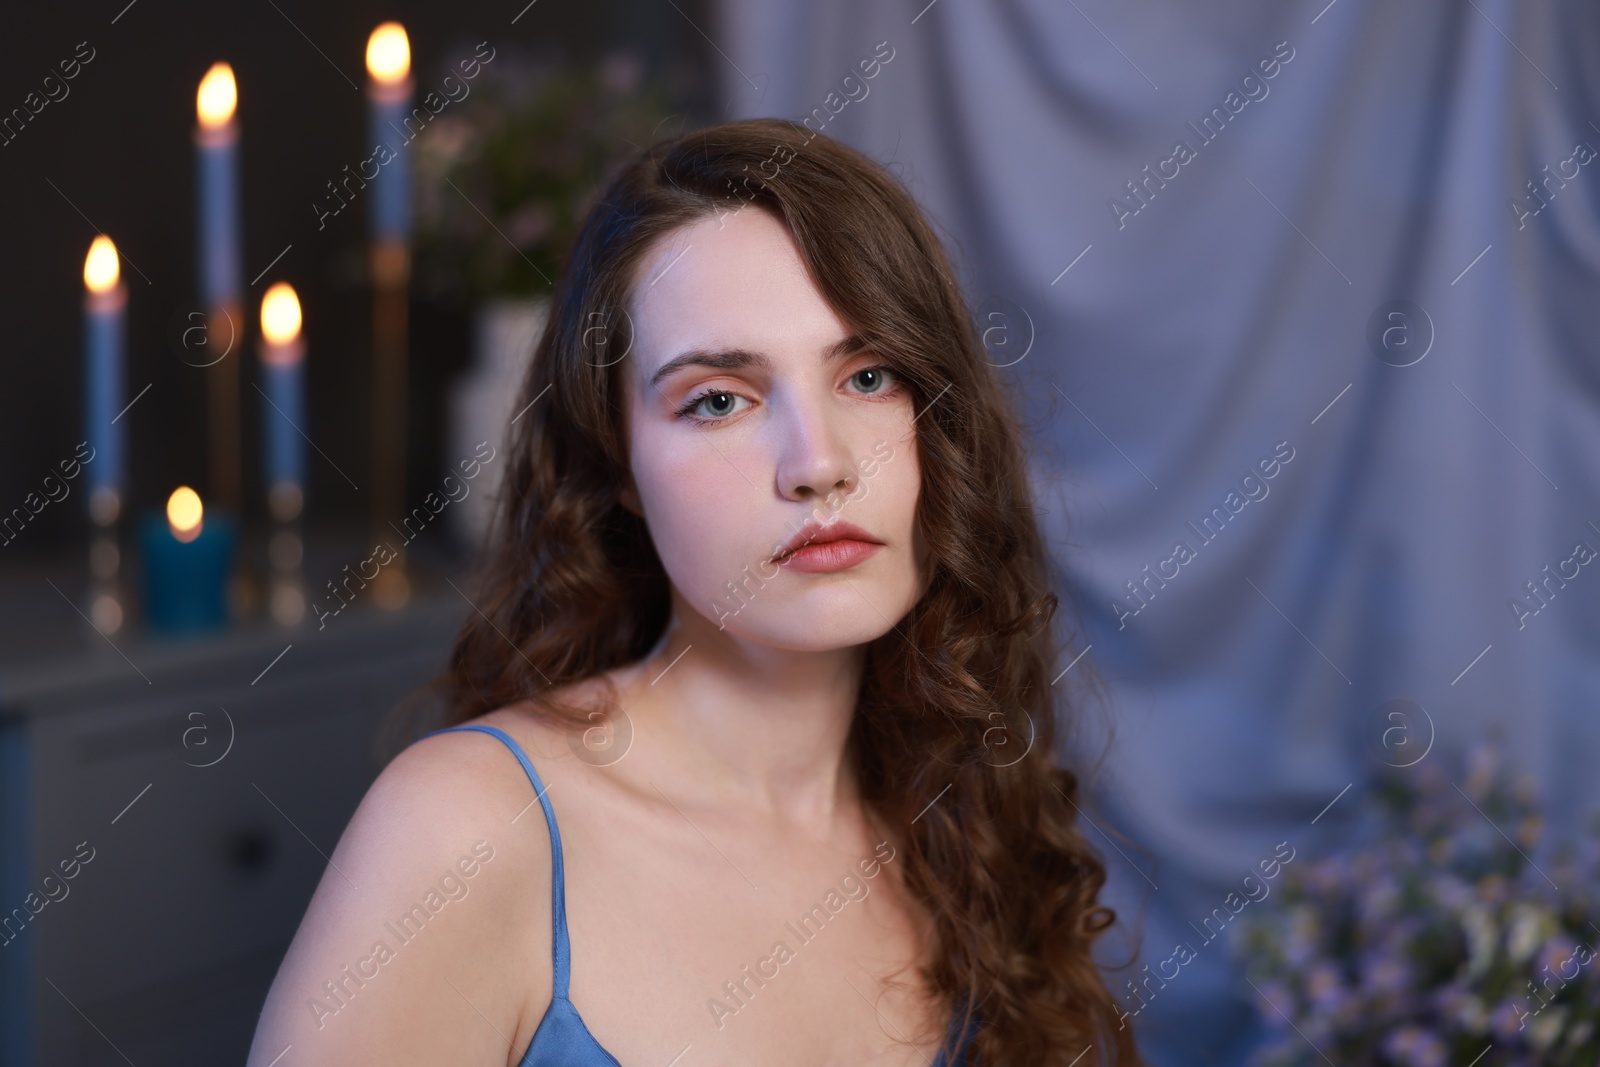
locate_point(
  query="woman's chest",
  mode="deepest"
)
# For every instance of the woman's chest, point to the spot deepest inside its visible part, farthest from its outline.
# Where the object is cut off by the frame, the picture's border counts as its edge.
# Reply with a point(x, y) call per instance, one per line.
point(701, 945)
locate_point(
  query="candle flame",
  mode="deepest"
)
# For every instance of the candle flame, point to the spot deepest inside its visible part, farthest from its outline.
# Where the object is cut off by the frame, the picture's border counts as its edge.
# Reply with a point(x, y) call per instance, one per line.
point(101, 268)
point(280, 314)
point(184, 512)
point(218, 96)
point(389, 54)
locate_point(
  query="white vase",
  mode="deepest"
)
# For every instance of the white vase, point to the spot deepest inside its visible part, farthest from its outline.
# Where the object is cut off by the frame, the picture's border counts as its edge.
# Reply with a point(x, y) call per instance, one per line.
point(483, 400)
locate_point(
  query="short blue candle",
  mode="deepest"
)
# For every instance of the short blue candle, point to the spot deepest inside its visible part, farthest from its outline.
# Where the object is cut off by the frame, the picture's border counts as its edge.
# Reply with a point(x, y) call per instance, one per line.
point(103, 366)
point(283, 392)
point(283, 412)
point(186, 583)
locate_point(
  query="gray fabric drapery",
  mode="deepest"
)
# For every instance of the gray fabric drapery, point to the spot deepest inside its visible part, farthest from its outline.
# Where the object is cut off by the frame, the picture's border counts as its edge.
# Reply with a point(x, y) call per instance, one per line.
point(1370, 270)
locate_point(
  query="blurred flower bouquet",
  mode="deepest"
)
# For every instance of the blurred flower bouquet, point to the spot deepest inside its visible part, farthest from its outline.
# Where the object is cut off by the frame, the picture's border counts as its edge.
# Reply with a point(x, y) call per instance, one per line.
point(504, 181)
point(1437, 940)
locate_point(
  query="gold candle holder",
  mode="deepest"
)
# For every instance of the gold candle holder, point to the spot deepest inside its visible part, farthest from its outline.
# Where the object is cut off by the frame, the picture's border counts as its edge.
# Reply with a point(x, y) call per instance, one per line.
point(391, 274)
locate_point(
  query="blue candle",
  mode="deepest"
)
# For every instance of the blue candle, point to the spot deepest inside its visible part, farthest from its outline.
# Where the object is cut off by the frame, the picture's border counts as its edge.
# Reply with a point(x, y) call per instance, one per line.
point(283, 411)
point(217, 155)
point(389, 90)
point(103, 330)
point(188, 559)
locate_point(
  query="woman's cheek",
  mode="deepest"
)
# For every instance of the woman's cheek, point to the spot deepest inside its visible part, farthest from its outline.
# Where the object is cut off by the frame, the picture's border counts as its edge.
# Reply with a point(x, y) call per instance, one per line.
point(692, 535)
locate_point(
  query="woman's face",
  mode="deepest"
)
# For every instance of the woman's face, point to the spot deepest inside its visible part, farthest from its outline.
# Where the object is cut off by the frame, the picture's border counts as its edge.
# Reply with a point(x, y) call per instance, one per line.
point(729, 462)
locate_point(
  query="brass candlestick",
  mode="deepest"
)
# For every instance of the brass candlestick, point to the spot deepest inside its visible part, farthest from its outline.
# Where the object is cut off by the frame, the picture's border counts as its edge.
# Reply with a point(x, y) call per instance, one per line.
point(391, 275)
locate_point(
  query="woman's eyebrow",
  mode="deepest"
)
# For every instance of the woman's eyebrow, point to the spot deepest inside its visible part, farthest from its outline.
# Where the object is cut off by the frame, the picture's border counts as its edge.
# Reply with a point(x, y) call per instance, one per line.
point(738, 358)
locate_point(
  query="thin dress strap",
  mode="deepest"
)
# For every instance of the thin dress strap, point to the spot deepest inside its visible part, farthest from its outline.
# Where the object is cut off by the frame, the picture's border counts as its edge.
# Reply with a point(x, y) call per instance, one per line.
point(558, 879)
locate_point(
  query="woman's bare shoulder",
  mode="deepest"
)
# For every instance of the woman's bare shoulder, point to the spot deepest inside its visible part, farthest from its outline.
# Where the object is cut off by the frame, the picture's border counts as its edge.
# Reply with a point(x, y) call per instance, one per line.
point(556, 737)
point(430, 884)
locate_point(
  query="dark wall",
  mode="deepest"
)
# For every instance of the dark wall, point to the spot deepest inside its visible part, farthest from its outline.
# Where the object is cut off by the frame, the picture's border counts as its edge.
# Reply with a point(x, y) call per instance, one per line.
point(118, 150)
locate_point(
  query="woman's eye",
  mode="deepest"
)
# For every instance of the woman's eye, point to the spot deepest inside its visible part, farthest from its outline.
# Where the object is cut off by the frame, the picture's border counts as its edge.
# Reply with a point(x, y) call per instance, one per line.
point(874, 379)
point(709, 407)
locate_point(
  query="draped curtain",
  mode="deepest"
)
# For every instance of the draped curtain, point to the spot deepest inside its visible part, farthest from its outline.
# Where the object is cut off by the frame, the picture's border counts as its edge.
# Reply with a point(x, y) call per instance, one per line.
point(1301, 303)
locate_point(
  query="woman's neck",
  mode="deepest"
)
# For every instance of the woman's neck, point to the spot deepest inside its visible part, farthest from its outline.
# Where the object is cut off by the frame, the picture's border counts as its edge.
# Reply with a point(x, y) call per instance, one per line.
point(737, 722)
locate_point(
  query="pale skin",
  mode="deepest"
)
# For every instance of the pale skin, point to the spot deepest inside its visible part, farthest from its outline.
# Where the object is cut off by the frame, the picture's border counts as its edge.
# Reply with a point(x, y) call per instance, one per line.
point(734, 810)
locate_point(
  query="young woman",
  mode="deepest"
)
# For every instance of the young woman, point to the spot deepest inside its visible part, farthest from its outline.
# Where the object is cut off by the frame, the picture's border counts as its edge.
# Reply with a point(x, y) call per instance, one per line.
point(766, 622)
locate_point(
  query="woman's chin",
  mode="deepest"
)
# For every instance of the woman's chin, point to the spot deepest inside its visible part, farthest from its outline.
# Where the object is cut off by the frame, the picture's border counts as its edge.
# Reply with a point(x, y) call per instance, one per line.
point(826, 629)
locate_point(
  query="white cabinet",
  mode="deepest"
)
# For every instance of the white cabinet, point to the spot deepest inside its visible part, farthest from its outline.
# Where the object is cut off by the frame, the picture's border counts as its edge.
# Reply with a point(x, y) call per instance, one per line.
point(161, 946)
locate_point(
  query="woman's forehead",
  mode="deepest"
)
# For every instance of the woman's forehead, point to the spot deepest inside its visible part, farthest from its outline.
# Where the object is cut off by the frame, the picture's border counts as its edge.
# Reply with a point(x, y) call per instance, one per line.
point(737, 281)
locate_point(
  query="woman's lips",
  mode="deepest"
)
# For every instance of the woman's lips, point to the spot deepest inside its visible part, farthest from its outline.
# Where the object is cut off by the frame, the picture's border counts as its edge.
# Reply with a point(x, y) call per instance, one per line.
point(828, 556)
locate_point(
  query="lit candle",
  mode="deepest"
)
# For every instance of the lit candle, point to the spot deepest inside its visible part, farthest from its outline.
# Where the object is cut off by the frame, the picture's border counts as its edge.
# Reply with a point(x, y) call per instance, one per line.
point(188, 558)
point(389, 65)
point(221, 292)
point(103, 308)
point(217, 143)
point(284, 400)
point(283, 414)
point(103, 321)
point(185, 514)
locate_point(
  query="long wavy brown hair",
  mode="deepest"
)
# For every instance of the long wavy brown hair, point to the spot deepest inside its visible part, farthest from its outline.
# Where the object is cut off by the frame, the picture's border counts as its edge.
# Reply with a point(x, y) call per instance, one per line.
point(950, 695)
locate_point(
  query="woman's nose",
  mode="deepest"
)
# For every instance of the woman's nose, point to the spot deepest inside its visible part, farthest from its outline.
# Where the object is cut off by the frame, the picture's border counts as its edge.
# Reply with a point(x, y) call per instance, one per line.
point(814, 457)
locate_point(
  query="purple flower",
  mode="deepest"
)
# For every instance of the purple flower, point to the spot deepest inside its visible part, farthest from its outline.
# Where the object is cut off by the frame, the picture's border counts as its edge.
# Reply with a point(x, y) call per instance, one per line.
point(1559, 957)
point(1381, 900)
point(1415, 1047)
point(1324, 877)
point(1508, 1021)
point(1450, 891)
point(1386, 976)
point(1324, 987)
point(1492, 890)
point(1276, 998)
